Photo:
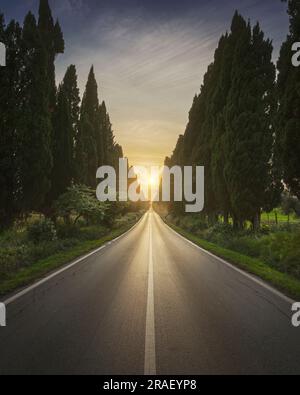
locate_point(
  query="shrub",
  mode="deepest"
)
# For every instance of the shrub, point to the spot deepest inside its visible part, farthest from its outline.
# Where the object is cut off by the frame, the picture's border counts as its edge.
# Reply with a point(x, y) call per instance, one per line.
point(68, 231)
point(42, 230)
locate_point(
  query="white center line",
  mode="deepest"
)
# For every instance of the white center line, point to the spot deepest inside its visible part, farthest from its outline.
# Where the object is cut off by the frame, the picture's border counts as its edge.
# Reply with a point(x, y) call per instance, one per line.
point(150, 355)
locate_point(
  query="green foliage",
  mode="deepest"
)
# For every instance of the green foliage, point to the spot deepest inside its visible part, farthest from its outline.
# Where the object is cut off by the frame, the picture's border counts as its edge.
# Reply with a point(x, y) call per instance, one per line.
point(9, 115)
point(95, 143)
point(230, 130)
point(288, 121)
point(290, 205)
point(22, 261)
point(40, 231)
point(80, 202)
point(275, 246)
point(43, 131)
point(35, 129)
point(282, 280)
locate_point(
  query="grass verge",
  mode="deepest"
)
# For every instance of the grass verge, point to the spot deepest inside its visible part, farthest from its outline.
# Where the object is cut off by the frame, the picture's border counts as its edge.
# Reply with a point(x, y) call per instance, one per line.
point(45, 266)
point(285, 283)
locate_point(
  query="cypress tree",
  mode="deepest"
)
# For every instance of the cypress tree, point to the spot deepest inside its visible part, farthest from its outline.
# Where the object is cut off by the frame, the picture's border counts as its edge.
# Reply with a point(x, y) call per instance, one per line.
point(223, 61)
point(248, 122)
point(66, 119)
point(9, 116)
point(86, 148)
point(288, 119)
point(108, 151)
point(63, 149)
point(53, 42)
point(95, 145)
point(71, 91)
point(35, 121)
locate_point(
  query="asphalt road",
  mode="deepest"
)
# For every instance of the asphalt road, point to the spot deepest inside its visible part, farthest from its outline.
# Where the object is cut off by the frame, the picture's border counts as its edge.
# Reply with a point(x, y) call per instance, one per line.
point(150, 303)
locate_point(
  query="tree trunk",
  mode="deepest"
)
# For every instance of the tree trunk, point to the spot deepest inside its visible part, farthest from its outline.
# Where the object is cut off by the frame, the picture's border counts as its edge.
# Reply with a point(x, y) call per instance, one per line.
point(226, 218)
point(256, 222)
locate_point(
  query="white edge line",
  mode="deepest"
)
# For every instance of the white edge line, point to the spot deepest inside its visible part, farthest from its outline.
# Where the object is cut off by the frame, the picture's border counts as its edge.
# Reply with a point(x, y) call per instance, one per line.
point(245, 274)
point(68, 267)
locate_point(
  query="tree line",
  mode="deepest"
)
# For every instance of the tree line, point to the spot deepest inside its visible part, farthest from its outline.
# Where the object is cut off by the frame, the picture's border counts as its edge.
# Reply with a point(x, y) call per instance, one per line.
point(49, 137)
point(244, 125)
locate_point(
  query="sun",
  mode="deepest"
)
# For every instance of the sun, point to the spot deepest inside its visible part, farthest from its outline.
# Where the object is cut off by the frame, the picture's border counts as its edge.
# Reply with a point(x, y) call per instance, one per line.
point(152, 181)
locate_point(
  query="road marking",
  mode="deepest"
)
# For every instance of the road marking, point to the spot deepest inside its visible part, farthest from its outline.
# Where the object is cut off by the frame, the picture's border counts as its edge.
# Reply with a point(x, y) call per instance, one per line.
point(150, 355)
point(231, 266)
point(43, 281)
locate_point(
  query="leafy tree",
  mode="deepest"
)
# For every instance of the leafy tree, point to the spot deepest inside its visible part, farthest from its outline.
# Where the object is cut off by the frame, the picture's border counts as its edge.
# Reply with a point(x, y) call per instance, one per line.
point(80, 202)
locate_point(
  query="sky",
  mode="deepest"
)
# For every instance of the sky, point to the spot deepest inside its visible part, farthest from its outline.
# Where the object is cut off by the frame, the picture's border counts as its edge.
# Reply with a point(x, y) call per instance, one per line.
point(150, 57)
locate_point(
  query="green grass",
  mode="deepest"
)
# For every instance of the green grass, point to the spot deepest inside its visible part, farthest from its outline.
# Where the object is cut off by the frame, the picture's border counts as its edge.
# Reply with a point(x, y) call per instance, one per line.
point(42, 267)
point(282, 281)
point(282, 218)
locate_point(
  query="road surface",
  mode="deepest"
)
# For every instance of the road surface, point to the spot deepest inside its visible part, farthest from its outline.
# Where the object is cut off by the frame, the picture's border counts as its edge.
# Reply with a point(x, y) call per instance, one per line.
point(150, 303)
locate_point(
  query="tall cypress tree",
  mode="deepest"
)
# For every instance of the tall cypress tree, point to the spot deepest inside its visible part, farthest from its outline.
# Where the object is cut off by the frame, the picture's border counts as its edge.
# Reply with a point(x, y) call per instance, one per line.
point(86, 148)
point(53, 42)
point(223, 61)
point(249, 134)
point(230, 129)
point(71, 91)
point(66, 119)
point(62, 172)
point(9, 116)
point(35, 122)
point(288, 119)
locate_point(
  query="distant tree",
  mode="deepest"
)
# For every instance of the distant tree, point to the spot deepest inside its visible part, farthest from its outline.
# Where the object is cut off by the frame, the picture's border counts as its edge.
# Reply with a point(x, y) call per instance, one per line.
point(95, 145)
point(290, 204)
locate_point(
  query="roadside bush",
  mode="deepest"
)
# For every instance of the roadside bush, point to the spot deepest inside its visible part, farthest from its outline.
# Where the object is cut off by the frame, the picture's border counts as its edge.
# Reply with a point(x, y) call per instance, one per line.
point(42, 230)
point(68, 231)
point(92, 233)
point(276, 246)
